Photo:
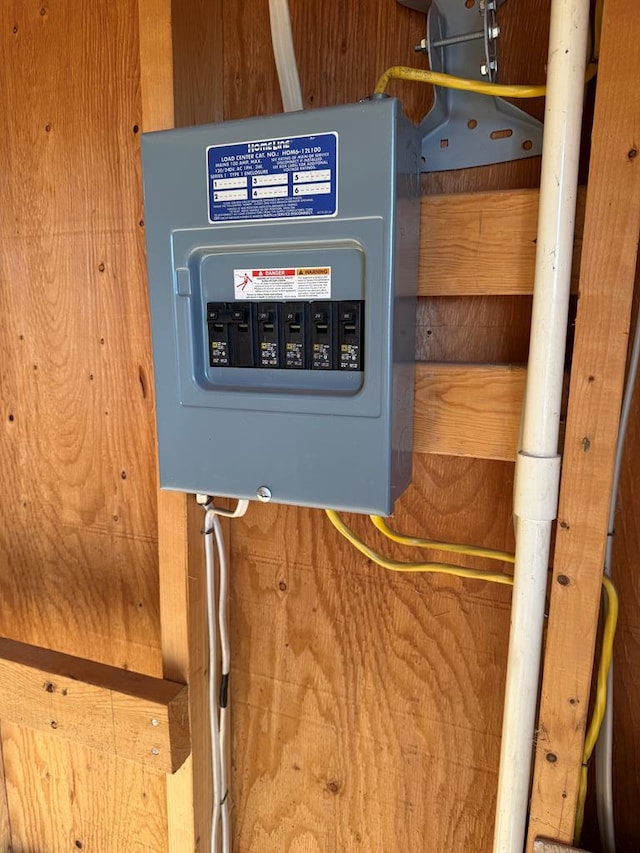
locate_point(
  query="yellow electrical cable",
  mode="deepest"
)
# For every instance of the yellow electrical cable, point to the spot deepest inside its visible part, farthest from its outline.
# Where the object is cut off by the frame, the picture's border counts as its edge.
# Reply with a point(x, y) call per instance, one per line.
point(448, 81)
point(609, 632)
point(397, 566)
point(600, 704)
point(467, 550)
point(608, 636)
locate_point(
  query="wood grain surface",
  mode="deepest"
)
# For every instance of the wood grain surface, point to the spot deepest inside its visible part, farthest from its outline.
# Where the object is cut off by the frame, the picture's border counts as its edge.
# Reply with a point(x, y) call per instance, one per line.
point(183, 36)
point(468, 410)
point(607, 277)
point(78, 544)
point(122, 713)
point(72, 798)
point(355, 725)
point(484, 243)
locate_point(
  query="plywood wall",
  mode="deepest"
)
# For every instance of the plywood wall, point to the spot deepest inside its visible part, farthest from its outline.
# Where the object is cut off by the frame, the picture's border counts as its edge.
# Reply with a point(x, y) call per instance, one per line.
point(78, 545)
point(367, 707)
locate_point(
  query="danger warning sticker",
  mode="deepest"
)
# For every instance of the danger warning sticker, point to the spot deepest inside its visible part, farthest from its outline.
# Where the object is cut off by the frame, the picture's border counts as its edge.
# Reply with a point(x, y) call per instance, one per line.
point(292, 283)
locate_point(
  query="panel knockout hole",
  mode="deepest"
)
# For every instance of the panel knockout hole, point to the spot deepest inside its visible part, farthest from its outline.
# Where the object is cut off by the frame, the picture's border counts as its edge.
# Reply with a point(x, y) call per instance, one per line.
point(527, 145)
point(470, 4)
point(472, 124)
point(444, 143)
point(505, 133)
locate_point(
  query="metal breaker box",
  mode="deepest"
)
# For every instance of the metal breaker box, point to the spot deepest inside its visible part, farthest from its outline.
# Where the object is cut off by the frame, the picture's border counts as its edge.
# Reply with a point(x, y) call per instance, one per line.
point(282, 257)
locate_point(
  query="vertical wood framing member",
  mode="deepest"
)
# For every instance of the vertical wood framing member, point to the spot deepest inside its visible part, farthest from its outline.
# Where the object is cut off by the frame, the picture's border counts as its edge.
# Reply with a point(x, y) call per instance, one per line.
point(612, 224)
point(180, 571)
point(180, 86)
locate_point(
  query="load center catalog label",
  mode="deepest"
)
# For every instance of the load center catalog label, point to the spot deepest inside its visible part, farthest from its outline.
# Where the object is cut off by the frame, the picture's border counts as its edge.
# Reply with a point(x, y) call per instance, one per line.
point(281, 178)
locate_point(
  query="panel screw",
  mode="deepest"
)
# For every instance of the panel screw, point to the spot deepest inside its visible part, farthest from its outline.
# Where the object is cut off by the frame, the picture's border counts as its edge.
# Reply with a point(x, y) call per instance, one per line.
point(154, 723)
point(263, 493)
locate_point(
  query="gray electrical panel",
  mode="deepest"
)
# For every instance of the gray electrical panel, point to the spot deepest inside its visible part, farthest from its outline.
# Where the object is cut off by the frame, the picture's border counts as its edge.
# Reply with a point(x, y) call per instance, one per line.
point(282, 257)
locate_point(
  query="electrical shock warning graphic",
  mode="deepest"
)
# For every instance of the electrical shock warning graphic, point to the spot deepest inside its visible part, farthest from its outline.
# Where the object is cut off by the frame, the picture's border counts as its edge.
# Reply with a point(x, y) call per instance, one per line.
point(246, 280)
point(292, 283)
point(273, 178)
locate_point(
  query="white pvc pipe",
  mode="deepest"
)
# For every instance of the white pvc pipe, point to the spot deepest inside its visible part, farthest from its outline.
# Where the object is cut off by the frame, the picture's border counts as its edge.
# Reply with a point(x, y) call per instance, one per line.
point(538, 464)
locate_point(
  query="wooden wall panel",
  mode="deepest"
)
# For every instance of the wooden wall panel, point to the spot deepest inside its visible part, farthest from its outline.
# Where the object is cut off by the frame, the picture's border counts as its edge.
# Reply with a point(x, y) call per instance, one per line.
point(65, 798)
point(78, 545)
point(356, 725)
point(367, 707)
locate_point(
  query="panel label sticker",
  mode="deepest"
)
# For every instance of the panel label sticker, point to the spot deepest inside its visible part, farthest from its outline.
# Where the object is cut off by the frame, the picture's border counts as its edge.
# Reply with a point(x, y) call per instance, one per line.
point(292, 283)
point(286, 178)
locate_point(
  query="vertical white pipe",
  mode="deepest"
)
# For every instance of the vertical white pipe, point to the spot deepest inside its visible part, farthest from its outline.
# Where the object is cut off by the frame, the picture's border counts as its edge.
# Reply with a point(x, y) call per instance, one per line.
point(537, 467)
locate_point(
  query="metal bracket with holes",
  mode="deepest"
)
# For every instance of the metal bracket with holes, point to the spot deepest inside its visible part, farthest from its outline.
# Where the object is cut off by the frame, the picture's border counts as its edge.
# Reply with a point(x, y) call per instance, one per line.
point(465, 129)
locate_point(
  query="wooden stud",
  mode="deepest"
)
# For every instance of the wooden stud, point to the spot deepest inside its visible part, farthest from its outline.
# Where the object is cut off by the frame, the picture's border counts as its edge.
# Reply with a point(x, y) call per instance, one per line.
point(172, 69)
point(126, 714)
point(612, 226)
point(484, 244)
point(184, 644)
point(156, 64)
point(468, 410)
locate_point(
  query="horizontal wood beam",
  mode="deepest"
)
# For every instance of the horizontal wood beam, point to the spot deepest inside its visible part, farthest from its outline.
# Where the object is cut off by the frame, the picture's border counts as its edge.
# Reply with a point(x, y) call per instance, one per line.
point(124, 713)
point(484, 244)
point(468, 410)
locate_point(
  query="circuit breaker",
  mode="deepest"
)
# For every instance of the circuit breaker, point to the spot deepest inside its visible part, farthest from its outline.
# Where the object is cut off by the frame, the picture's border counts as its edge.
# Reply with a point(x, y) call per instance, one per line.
point(282, 257)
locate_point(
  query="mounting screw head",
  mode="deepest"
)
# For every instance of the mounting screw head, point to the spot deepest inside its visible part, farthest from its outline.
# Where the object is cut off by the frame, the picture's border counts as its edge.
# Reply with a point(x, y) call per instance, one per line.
point(263, 493)
point(494, 32)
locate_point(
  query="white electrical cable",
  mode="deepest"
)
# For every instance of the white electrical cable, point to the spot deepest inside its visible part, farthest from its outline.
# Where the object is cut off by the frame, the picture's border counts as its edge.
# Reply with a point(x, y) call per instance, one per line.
point(604, 746)
point(218, 697)
point(285, 56)
point(225, 668)
point(216, 756)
